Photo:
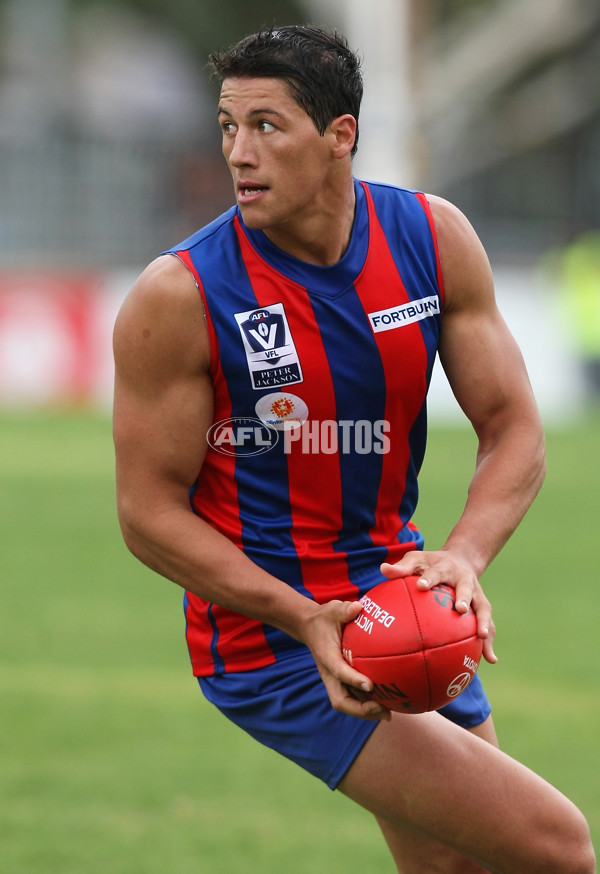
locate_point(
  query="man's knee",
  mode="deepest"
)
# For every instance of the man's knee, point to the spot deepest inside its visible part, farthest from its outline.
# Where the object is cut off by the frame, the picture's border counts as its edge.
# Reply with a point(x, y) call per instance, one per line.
point(566, 849)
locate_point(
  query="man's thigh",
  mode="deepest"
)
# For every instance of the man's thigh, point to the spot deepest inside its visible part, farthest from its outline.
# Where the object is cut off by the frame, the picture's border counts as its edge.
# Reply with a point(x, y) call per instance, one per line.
point(414, 853)
point(424, 774)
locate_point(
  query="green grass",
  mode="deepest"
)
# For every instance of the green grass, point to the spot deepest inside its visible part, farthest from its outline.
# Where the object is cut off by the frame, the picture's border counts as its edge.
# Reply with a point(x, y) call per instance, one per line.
point(545, 688)
point(111, 759)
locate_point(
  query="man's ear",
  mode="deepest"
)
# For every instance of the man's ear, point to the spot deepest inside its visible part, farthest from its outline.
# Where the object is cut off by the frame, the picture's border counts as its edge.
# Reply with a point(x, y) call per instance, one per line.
point(344, 130)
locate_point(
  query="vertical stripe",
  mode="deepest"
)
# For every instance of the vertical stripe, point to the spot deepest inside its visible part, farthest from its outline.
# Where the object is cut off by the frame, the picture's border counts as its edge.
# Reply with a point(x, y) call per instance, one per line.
point(404, 362)
point(215, 497)
point(422, 198)
point(313, 520)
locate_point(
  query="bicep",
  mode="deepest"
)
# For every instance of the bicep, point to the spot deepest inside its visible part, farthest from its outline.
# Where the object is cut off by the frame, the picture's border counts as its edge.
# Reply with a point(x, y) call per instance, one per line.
point(483, 363)
point(485, 367)
point(163, 394)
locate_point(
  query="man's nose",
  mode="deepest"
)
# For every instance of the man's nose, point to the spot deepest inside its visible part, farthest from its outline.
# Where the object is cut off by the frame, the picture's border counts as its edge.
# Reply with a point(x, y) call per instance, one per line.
point(243, 152)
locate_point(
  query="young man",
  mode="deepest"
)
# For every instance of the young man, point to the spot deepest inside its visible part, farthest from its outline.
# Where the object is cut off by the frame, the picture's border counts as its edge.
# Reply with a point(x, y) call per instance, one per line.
point(270, 424)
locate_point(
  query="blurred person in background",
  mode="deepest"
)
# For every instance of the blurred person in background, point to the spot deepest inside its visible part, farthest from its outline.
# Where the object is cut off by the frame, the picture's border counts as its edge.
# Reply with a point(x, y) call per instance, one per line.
point(320, 298)
point(579, 277)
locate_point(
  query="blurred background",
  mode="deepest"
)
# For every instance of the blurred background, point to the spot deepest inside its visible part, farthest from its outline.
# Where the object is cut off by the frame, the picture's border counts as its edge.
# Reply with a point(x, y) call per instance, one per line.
point(109, 152)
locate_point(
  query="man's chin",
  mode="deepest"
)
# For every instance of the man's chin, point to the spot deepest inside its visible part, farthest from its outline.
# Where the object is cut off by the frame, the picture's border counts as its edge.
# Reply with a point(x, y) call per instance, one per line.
point(253, 219)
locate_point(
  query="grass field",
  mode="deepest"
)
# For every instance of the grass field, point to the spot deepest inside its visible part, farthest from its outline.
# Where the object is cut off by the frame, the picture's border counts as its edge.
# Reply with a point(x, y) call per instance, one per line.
point(112, 761)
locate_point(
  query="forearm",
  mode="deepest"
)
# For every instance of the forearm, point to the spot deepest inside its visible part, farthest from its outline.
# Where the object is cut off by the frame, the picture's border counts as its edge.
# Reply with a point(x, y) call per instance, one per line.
point(188, 551)
point(509, 472)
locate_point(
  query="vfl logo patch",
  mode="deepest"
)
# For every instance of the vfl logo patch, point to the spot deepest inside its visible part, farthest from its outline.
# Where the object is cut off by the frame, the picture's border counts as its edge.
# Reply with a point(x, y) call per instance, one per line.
point(406, 314)
point(270, 350)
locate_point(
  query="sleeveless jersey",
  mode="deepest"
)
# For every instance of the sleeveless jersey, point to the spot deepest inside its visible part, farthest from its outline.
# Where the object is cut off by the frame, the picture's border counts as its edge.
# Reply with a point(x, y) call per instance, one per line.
point(320, 379)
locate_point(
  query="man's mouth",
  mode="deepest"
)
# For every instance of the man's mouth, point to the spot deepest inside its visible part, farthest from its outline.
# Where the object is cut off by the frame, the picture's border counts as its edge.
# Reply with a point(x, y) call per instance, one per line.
point(250, 187)
point(249, 193)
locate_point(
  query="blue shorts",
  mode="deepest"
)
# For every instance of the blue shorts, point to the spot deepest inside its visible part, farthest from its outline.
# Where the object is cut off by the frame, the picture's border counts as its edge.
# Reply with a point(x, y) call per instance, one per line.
point(285, 706)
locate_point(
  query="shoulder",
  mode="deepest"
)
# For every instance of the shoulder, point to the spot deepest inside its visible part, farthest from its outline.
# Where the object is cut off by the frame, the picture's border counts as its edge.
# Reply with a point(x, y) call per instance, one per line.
point(161, 322)
point(465, 265)
point(452, 226)
point(165, 290)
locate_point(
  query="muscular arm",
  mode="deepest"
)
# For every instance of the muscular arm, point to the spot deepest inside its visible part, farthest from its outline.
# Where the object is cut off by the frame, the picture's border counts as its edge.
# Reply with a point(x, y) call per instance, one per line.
point(486, 371)
point(488, 377)
point(162, 412)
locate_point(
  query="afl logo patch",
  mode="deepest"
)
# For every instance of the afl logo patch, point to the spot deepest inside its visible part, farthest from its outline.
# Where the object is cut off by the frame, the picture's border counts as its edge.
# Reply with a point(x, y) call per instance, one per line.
point(270, 351)
point(241, 436)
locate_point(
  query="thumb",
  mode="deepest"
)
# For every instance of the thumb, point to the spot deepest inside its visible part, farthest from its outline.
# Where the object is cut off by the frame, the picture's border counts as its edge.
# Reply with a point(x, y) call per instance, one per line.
point(349, 610)
point(403, 568)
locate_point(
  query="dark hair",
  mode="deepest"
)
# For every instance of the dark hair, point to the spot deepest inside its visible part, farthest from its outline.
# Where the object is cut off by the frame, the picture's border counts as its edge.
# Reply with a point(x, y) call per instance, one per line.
point(322, 72)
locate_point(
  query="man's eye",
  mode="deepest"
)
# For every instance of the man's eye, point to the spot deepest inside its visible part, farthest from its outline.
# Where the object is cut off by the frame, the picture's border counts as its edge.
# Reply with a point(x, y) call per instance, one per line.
point(228, 127)
point(266, 126)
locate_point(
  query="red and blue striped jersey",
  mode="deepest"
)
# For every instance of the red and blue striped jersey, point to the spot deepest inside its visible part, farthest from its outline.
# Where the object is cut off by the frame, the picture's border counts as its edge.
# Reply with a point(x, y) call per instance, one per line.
point(320, 379)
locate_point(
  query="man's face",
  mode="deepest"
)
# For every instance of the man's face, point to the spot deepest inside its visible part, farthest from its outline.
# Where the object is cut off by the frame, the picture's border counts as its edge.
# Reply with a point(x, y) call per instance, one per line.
point(278, 160)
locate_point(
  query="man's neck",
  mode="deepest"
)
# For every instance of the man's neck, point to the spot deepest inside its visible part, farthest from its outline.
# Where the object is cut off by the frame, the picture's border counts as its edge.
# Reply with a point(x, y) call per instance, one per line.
point(323, 237)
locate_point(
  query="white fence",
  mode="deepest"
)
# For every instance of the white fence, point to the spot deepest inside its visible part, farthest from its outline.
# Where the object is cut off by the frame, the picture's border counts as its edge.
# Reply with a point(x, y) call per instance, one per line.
point(56, 327)
point(74, 201)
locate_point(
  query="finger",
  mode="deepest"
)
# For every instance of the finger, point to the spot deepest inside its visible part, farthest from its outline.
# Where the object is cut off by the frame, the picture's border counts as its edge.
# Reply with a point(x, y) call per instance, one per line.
point(435, 572)
point(485, 625)
point(354, 680)
point(467, 587)
point(369, 709)
point(488, 651)
point(374, 712)
point(486, 630)
point(464, 600)
point(338, 670)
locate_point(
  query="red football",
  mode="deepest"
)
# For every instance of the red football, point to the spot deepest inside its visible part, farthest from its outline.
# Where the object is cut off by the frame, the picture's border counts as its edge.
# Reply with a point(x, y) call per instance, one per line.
point(416, 648)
